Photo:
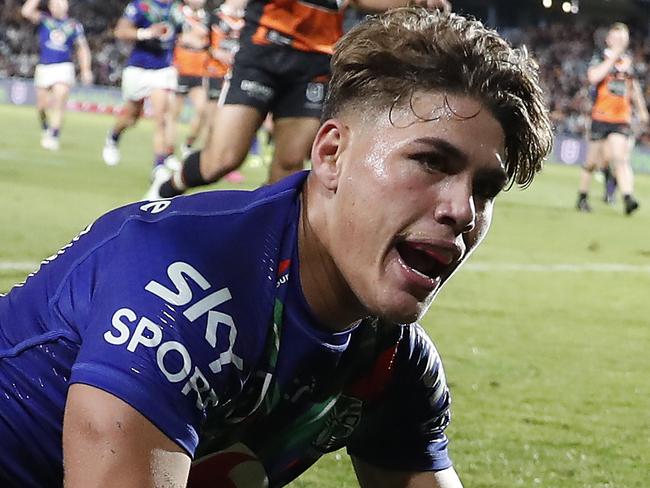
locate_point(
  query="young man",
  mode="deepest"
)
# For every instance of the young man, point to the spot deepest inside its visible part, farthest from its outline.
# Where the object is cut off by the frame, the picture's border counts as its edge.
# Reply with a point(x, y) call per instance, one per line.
point(282, 67)
point(58, 34)
point(616, 92)
point(190, 59)
point(153, 25)
point(254, 331)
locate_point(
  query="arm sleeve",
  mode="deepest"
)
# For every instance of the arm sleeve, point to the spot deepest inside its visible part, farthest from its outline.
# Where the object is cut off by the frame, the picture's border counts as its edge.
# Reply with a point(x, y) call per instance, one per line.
point(406, 429)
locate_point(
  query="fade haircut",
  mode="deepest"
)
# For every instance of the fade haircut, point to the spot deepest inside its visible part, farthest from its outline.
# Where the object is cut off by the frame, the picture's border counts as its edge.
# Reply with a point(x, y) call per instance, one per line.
point(382, 62)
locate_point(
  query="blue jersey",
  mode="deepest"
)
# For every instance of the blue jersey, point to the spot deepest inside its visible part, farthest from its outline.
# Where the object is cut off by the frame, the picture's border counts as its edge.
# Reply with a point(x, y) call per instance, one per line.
point(154, 53)
point(191, 311)
point(56, 39)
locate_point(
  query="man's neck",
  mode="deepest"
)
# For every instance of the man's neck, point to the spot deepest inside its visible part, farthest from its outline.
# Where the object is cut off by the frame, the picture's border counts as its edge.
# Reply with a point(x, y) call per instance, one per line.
point(328, 294)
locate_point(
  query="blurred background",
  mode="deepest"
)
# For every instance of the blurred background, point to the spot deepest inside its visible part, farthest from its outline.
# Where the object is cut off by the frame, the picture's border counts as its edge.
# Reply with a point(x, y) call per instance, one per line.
point(545, 334)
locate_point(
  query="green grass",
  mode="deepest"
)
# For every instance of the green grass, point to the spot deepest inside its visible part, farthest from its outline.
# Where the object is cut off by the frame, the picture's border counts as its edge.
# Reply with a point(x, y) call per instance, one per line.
point(548, 369)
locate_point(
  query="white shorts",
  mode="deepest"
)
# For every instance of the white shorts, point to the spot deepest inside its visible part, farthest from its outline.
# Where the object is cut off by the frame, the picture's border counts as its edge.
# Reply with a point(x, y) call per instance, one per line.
point(47, 75)
point(138, 83)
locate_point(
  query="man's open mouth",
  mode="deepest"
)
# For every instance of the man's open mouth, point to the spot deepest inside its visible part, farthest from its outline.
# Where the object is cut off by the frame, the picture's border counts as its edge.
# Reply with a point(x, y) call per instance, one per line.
point(427, 260)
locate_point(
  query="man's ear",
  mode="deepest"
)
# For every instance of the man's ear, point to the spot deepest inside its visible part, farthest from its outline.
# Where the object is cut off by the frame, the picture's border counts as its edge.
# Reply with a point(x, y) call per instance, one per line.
point(330, 141)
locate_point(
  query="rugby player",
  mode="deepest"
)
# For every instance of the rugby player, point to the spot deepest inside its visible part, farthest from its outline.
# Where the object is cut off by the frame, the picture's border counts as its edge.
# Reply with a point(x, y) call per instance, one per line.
point(282, 67)
point(190, 59)
point(153, 25)
point(617, 92)
point(58, 34)
point(255, 331)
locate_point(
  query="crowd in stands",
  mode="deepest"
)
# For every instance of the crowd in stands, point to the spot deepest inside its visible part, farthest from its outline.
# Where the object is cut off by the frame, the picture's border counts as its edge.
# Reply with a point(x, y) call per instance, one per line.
point(563, 51)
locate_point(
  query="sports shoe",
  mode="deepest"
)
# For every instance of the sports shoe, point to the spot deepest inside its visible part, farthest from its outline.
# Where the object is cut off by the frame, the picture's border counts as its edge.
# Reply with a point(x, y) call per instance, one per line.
point(159, 175)
point(583, 205)
point(631, 205)
point(186, 151)
point(111, 152)
point(234, 177)
point(172, 163)
point(49, 142)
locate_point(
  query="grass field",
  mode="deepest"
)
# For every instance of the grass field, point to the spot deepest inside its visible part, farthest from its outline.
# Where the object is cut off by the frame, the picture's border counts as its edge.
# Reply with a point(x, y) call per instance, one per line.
point(545, 335)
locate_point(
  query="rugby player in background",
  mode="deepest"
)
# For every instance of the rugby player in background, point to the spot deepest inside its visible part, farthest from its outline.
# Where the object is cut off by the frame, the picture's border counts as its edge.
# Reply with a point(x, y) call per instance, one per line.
point(282, 67)
point(58, 35)
point(190, 59)
point(255, 331)
point(617, 91)
point(153, 25)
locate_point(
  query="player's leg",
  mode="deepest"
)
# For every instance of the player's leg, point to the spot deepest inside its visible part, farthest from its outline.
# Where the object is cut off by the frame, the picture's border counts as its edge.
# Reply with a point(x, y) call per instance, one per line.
point(246, 99)
point(42, 105)
point(618, 151)
point(595, 156)
point(293, 137)
point(162, 106)
point(232, 130)
point(60, 92)
point(198, 97)
point(134, 90)
point(127, 117)
point(296, 113)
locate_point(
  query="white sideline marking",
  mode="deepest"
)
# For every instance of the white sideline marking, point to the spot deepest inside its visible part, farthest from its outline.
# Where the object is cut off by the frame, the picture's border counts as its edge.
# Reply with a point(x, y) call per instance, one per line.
point(27, 266)
point(18, 266)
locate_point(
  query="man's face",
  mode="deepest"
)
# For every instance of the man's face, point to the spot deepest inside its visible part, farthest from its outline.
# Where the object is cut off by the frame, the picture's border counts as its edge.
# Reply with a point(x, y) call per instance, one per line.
point(618, 39)
point(413, 199)
point(195, 4)
point(58, 8)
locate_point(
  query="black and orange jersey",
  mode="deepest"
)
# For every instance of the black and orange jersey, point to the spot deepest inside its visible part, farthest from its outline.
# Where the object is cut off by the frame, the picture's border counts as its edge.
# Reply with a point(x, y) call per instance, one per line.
point(225, 27)
point(306, 25)
point(613, 95)
point(189, 60)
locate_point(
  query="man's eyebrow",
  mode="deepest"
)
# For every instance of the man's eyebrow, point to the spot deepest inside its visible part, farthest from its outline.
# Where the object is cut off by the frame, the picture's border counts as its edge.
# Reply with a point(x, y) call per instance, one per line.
point(454, 153)
point(444, 147)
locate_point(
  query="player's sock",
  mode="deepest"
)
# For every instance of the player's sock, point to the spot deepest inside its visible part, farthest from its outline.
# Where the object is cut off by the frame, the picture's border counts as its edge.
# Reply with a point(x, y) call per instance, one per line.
point(55, 133)
point(583, 205)
point(168, 190)
point(255, 146)
point(630, 204)
point(159, 160)
point(43, 118)
point(191, 172)
point(115, 135)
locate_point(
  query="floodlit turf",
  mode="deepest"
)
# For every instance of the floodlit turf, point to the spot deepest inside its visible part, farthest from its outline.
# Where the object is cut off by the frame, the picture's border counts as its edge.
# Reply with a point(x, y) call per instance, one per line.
point(549, 366)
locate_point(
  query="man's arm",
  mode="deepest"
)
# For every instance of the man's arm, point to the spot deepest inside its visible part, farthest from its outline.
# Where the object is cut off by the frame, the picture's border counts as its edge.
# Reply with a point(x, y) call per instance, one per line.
point(85, 62)
point(598, 72)
point(126, 30)
point(31, 12)
point(370, 476)
point(109, 444)
point(382, 5)
point(639, 103)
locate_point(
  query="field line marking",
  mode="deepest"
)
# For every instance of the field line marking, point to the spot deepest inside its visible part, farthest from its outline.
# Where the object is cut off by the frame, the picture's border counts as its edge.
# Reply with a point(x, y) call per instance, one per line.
point(29, 266)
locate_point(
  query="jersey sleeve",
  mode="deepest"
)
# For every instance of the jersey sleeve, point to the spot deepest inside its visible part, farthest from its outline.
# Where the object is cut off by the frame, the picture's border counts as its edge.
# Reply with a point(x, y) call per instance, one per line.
point(176, 17)
point(79, 34)
point(406, 429)
point(132, 13)
point(157, 329)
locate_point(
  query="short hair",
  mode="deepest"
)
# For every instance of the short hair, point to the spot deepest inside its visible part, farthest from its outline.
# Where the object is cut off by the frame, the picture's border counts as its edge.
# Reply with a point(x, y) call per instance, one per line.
point(386, 59)
point(619, 26)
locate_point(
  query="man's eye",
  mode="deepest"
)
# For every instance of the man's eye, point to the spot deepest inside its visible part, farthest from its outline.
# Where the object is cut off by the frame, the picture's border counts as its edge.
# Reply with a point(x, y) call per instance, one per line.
point(430, 162)
point(487, 190)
